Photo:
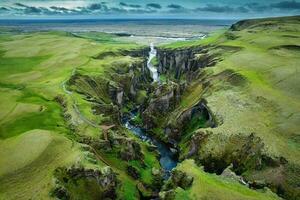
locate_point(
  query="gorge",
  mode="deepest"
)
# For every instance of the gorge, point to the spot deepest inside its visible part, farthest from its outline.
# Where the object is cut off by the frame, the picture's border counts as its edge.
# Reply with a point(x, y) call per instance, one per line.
point(93, 116)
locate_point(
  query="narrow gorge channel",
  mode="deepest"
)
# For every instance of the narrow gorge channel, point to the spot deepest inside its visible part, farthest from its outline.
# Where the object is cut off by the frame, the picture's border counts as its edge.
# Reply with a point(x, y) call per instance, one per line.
point(168, 158)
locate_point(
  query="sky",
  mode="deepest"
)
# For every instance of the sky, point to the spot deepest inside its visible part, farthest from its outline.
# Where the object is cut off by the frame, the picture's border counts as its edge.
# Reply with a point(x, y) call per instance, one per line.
point(196, 9)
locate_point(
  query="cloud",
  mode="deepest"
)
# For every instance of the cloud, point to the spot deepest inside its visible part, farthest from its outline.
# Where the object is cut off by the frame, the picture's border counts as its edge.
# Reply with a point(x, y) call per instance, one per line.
point(153, 6)
point(4, 9)
point(59, 8)
point(104, 8)
point(130, 5)
point(175, 6)
point(286, 5)
point(95, 6)
point(216, 8)
point(21, 5)
point(256, 7)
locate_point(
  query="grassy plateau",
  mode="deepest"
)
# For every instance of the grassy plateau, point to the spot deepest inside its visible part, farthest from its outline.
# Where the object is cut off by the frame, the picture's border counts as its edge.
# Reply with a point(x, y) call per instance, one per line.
point(58, 92)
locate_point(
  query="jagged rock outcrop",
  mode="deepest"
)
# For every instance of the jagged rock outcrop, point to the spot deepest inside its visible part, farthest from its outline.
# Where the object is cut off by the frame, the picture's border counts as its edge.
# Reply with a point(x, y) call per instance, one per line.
point(229, 174)
point(176, 129)
point(67, 178)
point(165, 99)
point(184, 61)
point(177, 179)
point(131, 150)
point(133, 172)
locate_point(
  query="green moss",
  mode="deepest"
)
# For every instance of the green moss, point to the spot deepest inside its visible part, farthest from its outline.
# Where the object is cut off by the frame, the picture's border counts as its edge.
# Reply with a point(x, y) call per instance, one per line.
point(13, 65)
point(141, 96)
point(163, 78)
point(154, 61)
point(128, 190)
point(138, 120)
point(49, 118)
point(210, 186)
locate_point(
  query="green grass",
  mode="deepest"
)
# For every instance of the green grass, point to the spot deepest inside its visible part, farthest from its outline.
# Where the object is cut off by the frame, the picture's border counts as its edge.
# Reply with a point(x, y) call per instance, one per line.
point(23, 174)
point(33, 133)
point(31, 76)
point(48, 119)
point(15, 65)
point(210, 186)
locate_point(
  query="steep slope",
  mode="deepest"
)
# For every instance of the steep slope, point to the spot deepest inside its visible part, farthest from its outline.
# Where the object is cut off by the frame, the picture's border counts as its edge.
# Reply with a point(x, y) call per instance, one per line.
point(55, 141)
point(253, 95)
point(229, 102)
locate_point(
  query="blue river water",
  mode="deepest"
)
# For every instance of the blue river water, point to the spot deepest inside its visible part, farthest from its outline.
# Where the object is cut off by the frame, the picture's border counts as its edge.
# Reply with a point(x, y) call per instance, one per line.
point(168, 159)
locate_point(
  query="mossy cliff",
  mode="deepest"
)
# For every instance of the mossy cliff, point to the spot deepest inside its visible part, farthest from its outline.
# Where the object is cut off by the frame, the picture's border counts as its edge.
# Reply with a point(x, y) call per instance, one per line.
point(227, 105)
point(244, 83)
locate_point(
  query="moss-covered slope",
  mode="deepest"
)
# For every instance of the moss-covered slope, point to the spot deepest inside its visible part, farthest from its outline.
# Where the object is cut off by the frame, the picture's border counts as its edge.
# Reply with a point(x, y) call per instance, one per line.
point(253, 94)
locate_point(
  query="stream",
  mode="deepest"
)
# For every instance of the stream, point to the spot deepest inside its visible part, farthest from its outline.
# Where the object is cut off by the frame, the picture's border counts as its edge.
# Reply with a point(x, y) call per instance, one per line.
point(168, 158)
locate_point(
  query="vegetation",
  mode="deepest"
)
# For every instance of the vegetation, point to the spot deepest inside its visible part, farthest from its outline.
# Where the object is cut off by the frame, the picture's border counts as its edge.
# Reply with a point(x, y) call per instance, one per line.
point(211, 186)
point(62, 96)
point(35, 129)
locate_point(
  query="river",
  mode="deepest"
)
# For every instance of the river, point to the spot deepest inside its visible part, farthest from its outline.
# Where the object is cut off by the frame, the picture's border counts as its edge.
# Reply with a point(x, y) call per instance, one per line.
point(168, 158)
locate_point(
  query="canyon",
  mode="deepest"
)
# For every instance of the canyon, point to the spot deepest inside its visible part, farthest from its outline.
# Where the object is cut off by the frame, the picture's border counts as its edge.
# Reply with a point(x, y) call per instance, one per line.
point(199, 119)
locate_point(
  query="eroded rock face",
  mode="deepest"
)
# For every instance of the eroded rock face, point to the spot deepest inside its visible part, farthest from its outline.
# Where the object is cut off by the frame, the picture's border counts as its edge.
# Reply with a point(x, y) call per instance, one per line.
point(184, 61)
point(176, 129)
point(177, 179)
point(166, 98)
point(133, 172)
point(229, 174)
point(67, 177)
point(243, 158)
point(131, 150)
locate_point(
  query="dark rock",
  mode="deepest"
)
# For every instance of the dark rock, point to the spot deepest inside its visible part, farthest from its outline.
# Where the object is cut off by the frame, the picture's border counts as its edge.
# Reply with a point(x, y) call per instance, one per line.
point(175, 130)
point(61, 193)
point(133, 172)
point(181, 179)
point(105, 178)
point(181, 62)
point(102, 145)
point(178, 179)
point(144, 192)
point(167, 195)
point(131, 150)
point(258, 184)
point(196, 141)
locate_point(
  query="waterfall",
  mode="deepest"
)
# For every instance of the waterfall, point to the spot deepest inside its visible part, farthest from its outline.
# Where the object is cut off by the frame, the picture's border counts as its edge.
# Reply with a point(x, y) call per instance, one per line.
point(153, 70)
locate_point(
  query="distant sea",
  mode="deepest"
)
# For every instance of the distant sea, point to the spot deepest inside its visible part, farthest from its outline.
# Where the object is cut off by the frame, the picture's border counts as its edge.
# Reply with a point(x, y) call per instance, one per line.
point(156, 30)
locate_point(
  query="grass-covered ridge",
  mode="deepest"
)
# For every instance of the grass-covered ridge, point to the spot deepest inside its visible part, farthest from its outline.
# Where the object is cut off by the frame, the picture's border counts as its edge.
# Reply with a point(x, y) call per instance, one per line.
point(254, 88)
point(211, 186)
point(41, 122)
point(59, 91)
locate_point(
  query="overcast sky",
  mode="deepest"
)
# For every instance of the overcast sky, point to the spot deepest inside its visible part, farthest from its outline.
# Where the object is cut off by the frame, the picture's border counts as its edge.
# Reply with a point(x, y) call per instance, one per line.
point(216, 9)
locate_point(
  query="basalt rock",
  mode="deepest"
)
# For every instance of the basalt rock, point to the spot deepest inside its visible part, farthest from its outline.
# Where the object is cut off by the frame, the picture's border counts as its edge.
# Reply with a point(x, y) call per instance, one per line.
point(131, 150)
point(133, 172)
point(60, 193)
point(165, 99)
point(228, 173)
point(181, 62)
point(178, 179)
point(116, 94)
point(175, 130)
point(167, 195)
point(196, 141)
point(105, 178)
